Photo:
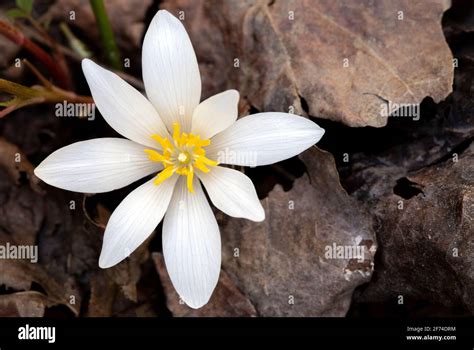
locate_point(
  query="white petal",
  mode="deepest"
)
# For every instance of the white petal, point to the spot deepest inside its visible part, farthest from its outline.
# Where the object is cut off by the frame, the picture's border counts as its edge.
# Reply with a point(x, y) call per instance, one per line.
point(215, 114)
point(264, 138)
point(233, 193)
point(191, 245)
point(123, 107)
point(97, 165)
point(134, 220)
point(170, 70)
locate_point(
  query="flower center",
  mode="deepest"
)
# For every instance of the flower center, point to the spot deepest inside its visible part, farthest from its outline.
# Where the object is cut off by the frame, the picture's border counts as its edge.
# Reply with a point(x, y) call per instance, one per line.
point(181, 155)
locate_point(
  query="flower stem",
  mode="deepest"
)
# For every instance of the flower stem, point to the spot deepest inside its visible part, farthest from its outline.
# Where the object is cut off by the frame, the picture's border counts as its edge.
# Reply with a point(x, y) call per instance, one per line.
point(77, 57)
point(18, 38)
point(57, 55)
point(26, 96)
point(106, 33)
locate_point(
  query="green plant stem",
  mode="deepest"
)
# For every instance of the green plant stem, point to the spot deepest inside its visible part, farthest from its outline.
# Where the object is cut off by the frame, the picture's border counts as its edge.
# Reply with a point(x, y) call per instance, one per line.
point(106, 33)
point(25, 96)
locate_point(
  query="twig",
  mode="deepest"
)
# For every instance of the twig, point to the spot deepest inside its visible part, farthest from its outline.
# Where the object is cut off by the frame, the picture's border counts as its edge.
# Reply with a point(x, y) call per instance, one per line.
point(76, 57)
point(26, 96)
point(53, 44)
point(18, 38)
point(47, 84)
point(39, 38)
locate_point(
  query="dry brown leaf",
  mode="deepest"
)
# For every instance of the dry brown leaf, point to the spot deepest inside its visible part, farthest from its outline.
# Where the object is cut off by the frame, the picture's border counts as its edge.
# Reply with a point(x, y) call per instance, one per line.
point(114, 288)
point(128, 272)
point(23, 304)
point(426, 240)
point(21, 212)
point(24, 213)
point(226, 301)
point(20, 274)
point(103, 292)
point(287, 62)
point(115, 291)
point(281, 263)
point(15, 162)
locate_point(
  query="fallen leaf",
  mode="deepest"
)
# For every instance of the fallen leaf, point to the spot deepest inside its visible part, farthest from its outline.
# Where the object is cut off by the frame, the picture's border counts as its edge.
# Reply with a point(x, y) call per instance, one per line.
point(103, 292)
point(281, 263)
point(15, 162)
point(226, 301)
point(442, 131)
point(114, 290)
point(20, 274)
point(425, 240)
point(23, 304)
point(342, 61)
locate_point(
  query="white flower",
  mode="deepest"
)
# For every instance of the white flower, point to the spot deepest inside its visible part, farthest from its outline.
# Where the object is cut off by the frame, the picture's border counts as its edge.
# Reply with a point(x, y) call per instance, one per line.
point(184, 141)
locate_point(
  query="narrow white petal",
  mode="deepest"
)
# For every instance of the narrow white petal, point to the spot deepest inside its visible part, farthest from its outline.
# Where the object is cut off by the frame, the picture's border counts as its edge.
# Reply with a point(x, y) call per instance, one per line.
point(170, 70)
point(123, 107)
point(97, 165)
point(233, 193)
point(264, 138)
point(192, 245)
point(134, 220)
point(215, 114)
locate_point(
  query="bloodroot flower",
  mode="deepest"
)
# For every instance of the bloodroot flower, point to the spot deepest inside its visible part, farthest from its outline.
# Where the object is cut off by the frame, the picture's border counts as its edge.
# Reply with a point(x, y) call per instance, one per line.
point(185, 143)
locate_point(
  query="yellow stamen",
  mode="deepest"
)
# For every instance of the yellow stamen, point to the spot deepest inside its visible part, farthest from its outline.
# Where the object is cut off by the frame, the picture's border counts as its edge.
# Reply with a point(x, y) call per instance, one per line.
point(202, 167)
point(189, 180)
point(181, 155)
point(164, 174)
point(176, 132)
point(207, 161)
point(155, 156)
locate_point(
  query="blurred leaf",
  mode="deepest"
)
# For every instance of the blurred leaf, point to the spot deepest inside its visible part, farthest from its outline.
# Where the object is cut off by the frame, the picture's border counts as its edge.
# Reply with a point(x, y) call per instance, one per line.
point(76, 44)
point(106, 33)
point(6, 103)
point(16, 13)
point(46, 24)
point(25, 5)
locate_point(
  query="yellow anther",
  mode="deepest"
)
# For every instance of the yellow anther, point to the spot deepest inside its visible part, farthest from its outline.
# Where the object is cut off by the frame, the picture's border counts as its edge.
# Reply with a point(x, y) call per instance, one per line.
point(155, 156)
point(189, 180)
point(164, 142)
point(181, 155)
point(202, 167)
point(164, 174)
point(208, 161)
